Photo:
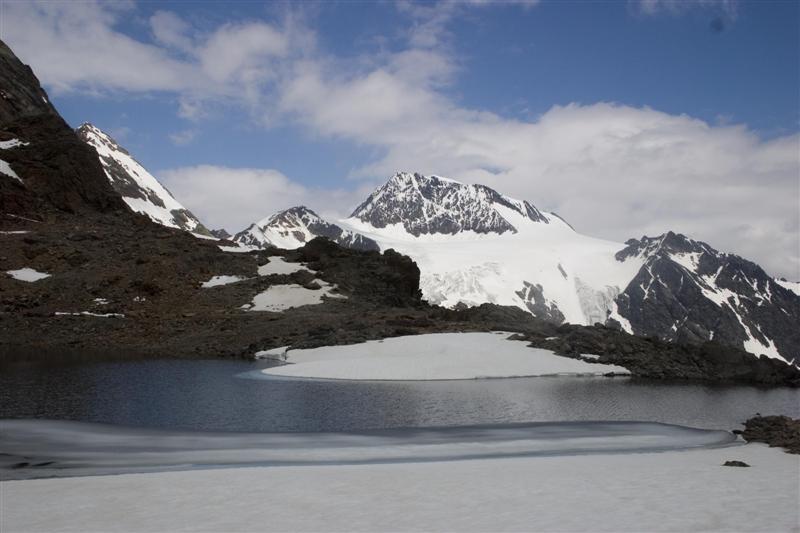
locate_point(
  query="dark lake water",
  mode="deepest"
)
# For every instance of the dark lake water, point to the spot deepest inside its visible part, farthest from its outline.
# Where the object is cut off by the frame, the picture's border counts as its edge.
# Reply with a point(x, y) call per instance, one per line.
point(218, 395)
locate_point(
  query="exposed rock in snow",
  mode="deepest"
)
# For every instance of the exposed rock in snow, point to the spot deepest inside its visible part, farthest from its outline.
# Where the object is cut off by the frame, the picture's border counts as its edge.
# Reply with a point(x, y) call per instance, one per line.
point(139, 189)
point(27, 274)
point(294, 227)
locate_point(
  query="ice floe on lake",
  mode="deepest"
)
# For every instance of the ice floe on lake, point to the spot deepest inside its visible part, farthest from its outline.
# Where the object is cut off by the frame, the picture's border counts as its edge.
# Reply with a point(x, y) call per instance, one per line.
point(432, 357)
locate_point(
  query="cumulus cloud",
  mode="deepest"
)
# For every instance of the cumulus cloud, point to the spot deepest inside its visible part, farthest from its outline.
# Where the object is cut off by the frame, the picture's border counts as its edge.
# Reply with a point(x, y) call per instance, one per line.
point(612, 170)
point(183, 137)
point(236, 197)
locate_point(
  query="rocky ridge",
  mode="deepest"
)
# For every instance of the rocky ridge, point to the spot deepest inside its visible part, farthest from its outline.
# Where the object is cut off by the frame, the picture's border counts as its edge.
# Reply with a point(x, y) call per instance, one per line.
point(140, 190)
point(295, 227)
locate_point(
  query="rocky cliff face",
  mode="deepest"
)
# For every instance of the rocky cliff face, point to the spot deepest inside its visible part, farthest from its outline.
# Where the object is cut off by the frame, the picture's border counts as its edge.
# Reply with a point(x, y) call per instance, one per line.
point(45, 166)
point(686, 291)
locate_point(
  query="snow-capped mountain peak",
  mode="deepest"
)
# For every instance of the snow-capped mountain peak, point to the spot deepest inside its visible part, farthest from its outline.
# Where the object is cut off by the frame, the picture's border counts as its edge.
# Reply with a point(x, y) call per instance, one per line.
point(296, 226)
point(139, 189)
point(432, 204)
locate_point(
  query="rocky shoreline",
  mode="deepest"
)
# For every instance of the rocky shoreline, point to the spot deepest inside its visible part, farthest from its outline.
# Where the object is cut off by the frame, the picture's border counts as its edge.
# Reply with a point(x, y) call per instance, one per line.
point(777, 431)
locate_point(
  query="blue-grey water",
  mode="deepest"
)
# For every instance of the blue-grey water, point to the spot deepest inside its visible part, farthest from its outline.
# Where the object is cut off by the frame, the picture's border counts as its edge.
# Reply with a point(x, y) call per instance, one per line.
point(216, 395)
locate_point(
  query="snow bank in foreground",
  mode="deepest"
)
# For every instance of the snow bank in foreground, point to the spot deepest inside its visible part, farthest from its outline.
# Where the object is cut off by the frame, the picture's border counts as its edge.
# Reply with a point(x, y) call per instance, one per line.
point(672, 491)
point(433, 356)
point(281, 297)
point(216, 281)
point(278, 265)
point(27, 274)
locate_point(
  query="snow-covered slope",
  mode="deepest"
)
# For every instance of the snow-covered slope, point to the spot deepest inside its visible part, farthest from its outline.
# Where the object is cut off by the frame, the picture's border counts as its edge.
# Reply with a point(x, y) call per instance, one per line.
point(294, 227)
point(507, 251)
point(793, 286)
point(139, 189)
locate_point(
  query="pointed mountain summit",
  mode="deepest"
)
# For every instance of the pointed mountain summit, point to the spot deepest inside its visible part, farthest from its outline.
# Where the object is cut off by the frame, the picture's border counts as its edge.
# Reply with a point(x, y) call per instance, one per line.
point(432, 204)
point(294, 227)
point(140, 190)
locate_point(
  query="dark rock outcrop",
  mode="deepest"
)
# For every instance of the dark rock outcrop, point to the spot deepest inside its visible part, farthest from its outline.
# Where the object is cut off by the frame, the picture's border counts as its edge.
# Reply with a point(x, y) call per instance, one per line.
point(57, 171)
point(779, 431)
point(686, 291)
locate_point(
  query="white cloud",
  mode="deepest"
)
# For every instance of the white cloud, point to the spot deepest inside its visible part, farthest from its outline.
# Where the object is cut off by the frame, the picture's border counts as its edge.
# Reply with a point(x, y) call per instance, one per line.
point(236, 197)
point(182, 138)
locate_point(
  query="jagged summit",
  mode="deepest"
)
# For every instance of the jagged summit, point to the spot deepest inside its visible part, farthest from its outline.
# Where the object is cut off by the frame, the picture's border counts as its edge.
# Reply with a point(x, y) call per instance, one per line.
point(296, 226)
point(139, 189)
point(432, 204)
point(668, 243)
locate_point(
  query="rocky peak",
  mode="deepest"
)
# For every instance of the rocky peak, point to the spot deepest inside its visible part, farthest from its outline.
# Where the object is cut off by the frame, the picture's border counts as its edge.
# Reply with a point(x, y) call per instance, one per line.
point(21, 95)
point(139, 189)
point(294, 227)
point(96, 137)
point(667, 243)
point(432, 204)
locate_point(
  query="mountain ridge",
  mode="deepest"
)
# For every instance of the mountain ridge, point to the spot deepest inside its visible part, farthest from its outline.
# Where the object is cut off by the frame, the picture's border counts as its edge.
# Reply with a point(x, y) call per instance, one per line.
point(139, 189)
point(475, 245)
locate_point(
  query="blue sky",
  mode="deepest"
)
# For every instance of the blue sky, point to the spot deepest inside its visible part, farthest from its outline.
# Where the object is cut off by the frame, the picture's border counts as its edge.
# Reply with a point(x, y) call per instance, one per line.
point(608, 112)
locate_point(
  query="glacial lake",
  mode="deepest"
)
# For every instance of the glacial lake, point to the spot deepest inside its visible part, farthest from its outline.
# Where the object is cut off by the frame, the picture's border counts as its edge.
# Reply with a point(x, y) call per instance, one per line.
point(223, 395)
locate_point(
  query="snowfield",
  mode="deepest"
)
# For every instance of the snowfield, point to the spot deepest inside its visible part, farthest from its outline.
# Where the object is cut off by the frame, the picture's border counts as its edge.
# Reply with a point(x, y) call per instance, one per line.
point(6, 169)
point(671, 491)
point(428, 357)
point(217, 281)
point(89, 313)
point(27, 274)
point(793, 286)
point(579, 275)
point(278, 265)
point(282, 297)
